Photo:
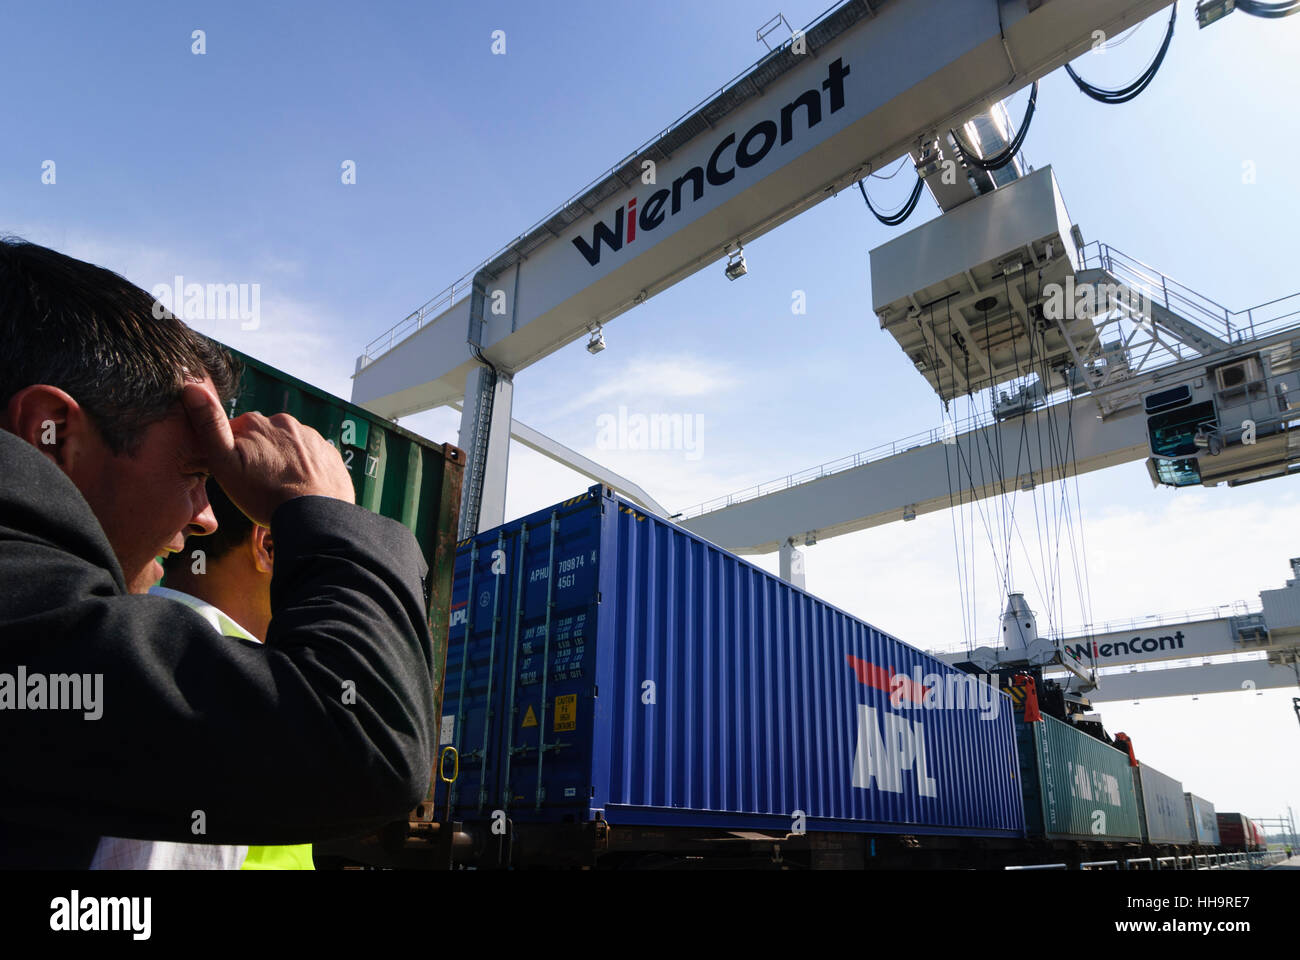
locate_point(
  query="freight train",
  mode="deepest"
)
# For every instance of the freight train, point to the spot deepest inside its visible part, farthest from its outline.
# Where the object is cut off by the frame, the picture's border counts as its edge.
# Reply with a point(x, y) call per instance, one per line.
point(622, 693)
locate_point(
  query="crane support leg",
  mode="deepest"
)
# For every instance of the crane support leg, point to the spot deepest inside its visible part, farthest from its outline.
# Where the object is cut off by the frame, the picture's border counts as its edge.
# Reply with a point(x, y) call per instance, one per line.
point(485, 437)
point(792, 564)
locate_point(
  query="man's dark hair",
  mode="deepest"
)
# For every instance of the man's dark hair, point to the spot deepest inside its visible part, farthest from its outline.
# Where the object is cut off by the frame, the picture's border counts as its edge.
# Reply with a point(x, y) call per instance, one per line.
point(233, 530)
point(98, 337)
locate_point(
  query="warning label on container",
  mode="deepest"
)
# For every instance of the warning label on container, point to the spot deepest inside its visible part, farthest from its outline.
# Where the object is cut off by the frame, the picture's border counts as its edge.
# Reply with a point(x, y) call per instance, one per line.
point(530, 718)
point(566, 712)
point(448, 733)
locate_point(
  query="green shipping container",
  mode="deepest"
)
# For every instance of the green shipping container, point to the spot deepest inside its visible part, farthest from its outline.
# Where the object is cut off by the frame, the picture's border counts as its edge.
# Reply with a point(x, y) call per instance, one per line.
point(395, 473)
point(1076, 787)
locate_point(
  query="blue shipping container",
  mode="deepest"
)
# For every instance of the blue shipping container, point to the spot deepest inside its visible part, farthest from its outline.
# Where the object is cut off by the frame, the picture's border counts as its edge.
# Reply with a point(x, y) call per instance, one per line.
point(670, 683)
point(1203, 819)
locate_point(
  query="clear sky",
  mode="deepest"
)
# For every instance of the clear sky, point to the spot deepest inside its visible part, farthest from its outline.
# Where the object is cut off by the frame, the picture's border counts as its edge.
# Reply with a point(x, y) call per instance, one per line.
point(225, 168)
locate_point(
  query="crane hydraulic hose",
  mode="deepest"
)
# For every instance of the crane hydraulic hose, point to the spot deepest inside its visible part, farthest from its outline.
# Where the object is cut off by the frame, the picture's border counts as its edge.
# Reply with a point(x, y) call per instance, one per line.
point(1125, 94)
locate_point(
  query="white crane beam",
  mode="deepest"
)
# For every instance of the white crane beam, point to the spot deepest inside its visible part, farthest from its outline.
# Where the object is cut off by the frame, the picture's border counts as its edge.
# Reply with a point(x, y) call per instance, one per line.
point(1242, 676)
point(877, 77)
point(930, 477)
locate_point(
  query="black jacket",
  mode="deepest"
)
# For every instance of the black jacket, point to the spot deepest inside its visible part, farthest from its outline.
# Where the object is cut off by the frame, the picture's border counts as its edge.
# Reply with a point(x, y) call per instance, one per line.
point(325, 731)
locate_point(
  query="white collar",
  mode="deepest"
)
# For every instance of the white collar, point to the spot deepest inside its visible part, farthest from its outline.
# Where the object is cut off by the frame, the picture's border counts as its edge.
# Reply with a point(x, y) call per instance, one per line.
point(220, 622)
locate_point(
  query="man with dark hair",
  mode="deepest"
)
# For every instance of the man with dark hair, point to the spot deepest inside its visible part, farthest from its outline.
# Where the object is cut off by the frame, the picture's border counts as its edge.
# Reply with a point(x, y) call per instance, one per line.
point(127, 715)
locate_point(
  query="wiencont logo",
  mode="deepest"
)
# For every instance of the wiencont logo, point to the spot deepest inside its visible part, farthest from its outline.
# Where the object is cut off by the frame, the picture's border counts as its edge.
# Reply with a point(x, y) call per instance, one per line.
point(73, 913)
point(59, 691)
point(1126, 648)
point(757, 142)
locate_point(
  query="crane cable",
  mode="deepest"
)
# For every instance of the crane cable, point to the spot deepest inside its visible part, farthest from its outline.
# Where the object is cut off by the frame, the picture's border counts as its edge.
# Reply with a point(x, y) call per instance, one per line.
point(1269, 10)
point(958, 548)
point(965, 461)
point(999, 160)
point(1127, 93)
point(905, 211)
point(1069, 511)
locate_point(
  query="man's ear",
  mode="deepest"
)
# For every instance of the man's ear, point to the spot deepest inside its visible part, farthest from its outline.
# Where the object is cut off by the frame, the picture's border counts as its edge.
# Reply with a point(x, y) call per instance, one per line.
point(263, 549)
point(53, 422)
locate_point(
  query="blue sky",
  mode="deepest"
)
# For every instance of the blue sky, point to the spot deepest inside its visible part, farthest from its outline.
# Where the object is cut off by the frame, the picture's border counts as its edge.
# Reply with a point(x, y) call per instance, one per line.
point(225, 168)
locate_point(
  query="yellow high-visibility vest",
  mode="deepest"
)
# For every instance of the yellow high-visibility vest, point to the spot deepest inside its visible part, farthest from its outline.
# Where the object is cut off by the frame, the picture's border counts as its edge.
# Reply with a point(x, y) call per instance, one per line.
point(287, 857)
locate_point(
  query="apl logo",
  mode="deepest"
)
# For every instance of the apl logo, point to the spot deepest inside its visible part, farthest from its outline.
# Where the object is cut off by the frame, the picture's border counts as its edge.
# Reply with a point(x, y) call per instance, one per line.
point(889, 744)
point(458, 614)
point(750, 150)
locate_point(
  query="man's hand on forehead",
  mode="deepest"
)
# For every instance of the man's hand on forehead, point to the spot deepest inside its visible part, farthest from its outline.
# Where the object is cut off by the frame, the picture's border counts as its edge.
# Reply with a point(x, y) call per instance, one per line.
point(262, 462)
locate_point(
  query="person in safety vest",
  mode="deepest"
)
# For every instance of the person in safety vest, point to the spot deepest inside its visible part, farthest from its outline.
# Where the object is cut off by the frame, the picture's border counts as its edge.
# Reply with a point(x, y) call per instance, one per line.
point(226, 578)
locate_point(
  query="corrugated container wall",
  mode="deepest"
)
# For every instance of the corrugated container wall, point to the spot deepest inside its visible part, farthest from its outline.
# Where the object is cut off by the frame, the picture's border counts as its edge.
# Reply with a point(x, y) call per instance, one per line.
point(1076, 787)
point(395, 473)
point(1164, 811)
point(1204, 822)
point(669, 682)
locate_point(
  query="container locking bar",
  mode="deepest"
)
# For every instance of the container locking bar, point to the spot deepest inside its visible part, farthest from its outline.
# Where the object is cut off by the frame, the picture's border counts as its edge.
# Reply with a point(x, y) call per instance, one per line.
point(492, 659)
point(512, 711)
point(464, 660)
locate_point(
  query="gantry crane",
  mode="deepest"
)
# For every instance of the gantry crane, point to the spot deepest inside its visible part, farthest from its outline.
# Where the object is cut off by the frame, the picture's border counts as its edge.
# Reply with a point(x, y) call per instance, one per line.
point(868, 82)
point(1000, 293)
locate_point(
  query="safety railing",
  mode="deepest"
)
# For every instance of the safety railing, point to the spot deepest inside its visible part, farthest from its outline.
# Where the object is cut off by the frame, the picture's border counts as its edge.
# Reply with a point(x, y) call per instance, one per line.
point(949, 432)
point(1204, 861)
point(1036, 866)
point(1236, 608)
point(1214, 317)
point(435, 307)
